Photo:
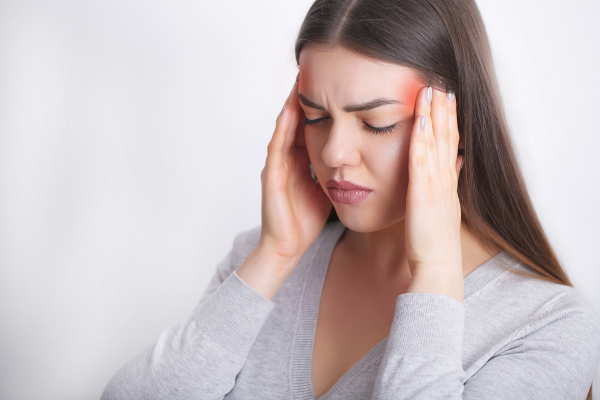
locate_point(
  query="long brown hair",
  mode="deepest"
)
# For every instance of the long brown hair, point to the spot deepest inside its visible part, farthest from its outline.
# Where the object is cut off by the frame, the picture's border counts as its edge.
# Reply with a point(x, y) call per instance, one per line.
point(446, 43)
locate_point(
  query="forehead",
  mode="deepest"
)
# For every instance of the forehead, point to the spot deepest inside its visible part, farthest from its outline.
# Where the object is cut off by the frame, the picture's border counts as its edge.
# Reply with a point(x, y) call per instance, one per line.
point(335, 70)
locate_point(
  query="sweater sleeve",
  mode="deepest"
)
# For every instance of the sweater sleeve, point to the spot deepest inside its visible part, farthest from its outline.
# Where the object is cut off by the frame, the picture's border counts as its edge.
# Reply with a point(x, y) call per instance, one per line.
point(554, 356)
point(423, 356)
point(201, 357)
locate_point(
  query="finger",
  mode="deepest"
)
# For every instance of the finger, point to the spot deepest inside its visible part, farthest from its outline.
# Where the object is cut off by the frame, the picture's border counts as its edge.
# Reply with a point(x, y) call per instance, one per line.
point(453, 126)
point(287, 100)
point(441, 129)
point(294, 107)
point(424, 109)
point(297, 143)
point(418, 172)
point(300, 140)
point(275, 146)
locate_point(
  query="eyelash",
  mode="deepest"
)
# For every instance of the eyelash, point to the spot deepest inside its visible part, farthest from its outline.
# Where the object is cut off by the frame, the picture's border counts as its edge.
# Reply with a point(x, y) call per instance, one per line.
point(378, 131)
point(381, 131)
point(311, 122)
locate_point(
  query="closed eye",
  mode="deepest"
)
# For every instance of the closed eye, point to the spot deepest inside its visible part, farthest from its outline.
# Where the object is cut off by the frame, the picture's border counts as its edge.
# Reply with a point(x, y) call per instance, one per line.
point(384, 130)
point(370, 128)
point(310, 122)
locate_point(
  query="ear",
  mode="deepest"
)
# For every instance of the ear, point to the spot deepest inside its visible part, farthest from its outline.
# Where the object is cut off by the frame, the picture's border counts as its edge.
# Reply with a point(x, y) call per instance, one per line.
point(459, 164)
point(460, 159)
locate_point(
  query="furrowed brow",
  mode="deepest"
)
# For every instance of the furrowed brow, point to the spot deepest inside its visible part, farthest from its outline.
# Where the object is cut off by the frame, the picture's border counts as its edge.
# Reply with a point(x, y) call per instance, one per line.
point(353, 108)
point(371, 105)
point(309, 103)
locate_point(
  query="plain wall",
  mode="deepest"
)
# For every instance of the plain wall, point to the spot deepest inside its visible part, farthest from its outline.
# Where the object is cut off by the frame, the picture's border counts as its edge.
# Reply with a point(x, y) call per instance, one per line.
point(132, 136)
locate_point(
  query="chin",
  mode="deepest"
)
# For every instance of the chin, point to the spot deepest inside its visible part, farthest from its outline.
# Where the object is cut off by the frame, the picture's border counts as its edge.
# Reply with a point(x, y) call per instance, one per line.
point(364, 220)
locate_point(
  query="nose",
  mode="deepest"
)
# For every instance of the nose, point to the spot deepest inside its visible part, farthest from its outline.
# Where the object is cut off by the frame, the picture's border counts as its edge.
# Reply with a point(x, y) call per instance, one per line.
point(341, 148)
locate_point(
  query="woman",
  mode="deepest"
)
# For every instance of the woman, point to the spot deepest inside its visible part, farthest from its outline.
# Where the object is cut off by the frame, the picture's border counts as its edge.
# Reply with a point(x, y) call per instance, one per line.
point(431, 278)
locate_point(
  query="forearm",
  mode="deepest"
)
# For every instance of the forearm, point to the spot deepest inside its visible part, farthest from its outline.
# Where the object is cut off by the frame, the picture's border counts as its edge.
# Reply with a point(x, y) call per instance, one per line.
point(199, 358)
point(423, 358)
point(264, 271)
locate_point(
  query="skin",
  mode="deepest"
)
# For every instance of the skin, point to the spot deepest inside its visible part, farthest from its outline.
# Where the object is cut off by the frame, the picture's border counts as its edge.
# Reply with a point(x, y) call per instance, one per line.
point(342, 147)
point(406, 237)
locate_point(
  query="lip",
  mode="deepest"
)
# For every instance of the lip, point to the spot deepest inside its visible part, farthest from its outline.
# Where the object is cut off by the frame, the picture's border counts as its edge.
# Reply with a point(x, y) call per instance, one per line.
point(346, 192)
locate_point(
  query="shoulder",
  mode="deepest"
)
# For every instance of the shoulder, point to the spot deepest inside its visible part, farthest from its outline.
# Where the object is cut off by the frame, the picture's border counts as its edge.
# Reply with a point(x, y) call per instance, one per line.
point(517, 289)
point(562, 335)
point(564, 314)
point(547, 299)
point(529, 323)
point(549, 313)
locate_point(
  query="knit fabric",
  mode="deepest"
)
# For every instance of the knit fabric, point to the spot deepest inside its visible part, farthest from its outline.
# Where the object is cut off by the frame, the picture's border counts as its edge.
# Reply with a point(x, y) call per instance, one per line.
point(513, 337)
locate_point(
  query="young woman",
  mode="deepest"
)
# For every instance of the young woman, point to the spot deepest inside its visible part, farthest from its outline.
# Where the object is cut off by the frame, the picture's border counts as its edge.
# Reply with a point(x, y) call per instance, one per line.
point(430, 278)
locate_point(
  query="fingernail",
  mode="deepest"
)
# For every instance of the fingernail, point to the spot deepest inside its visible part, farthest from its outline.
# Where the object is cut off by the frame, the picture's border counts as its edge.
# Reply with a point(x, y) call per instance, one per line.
point(428, 95)
point(450, 96)
point(423, 123)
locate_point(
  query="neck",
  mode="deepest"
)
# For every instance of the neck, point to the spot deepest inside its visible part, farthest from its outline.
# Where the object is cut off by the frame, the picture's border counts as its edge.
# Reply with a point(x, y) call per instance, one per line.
point(381, 255)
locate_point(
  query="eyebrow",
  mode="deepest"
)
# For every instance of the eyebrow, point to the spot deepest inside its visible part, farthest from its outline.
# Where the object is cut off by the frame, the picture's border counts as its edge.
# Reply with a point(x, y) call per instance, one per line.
point(352, 108)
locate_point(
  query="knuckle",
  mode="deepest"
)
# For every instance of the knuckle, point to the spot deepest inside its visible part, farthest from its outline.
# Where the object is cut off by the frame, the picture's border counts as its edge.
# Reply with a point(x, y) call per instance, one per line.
point(421, 160)
point(430, 143)
point(271, 148)
point(440, 101)
point(445, 134)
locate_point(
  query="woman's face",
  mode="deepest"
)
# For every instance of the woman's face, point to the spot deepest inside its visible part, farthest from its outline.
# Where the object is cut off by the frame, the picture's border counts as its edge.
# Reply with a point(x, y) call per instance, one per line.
point(360, 114)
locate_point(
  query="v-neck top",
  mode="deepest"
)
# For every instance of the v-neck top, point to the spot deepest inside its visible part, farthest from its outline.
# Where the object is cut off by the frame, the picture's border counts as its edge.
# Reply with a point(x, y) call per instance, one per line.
point(512, 337)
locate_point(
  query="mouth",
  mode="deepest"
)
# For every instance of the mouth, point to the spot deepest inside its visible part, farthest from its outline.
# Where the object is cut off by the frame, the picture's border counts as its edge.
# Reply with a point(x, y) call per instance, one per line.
point(346, 192)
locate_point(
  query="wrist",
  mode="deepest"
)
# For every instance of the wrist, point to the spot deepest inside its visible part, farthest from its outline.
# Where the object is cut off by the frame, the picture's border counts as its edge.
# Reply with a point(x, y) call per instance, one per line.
point(265, 271)
point(272, 258)
point(443, 282)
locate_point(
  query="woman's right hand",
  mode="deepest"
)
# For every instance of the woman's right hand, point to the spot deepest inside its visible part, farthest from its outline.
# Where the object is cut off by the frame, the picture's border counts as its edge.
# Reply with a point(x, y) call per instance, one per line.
point(294, 206)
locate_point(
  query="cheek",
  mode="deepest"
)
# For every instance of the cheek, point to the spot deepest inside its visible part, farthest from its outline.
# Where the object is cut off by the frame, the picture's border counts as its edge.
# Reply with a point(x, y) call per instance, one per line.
point(390, 160)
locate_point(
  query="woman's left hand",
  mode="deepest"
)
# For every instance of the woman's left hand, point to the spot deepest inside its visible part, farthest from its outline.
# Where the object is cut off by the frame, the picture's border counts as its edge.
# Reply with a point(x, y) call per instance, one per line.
point(432, 222)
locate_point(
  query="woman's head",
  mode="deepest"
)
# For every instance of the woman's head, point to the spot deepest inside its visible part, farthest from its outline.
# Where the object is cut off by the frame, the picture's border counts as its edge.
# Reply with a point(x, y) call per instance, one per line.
point(361, 50)
point(351, 51)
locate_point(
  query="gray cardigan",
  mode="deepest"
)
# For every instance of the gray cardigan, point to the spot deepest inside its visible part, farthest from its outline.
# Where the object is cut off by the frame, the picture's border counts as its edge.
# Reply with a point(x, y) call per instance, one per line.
point(513, 338)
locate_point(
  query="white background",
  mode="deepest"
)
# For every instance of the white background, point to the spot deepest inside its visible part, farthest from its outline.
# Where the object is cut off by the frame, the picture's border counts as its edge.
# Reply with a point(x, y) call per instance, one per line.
point(132, 136)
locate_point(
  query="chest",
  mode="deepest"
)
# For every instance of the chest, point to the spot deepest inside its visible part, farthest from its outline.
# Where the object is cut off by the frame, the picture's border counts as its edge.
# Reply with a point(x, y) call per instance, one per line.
point(354, 316)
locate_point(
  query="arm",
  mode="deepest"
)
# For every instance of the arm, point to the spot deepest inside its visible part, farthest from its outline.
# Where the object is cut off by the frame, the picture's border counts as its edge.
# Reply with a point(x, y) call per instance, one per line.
point(554, 357)
point(199, 358)
point(423, 357)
